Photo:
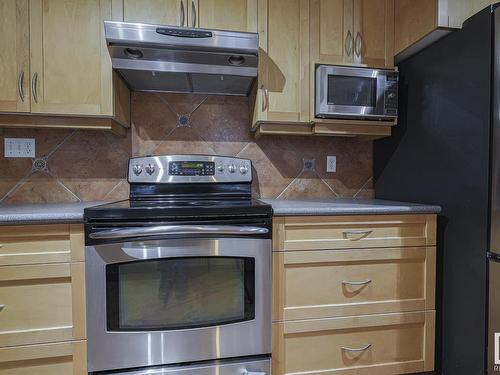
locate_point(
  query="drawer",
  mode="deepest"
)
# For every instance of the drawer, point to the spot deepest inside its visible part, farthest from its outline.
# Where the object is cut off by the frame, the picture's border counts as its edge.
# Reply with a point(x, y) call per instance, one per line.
point(331, 283)
point(67, 358)
point(42, 303)
point(351, 232)
point(30, 244)
point(364, 345)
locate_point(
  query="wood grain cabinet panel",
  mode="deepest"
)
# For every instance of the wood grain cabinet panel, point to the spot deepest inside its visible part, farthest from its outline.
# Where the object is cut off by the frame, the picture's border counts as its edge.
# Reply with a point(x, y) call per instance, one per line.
point(14, 56)
point(42, 303)
point(31, 244)
point(344, 232)
point(233, 15)
point(381, 344)
point(332, 283)
point(163, 12)
point(69, 358)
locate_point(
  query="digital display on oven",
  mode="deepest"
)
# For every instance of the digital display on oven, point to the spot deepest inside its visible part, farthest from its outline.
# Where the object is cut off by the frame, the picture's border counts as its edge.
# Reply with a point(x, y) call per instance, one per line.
point(352, 91)
point(191, 168)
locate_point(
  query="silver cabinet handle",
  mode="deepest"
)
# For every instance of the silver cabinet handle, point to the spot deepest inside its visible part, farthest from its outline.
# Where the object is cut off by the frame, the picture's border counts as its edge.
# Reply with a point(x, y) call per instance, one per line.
point(20, 82)
point(348, 43)
point(265, 103)
point(183, 13)
point(193, 8)
point(358, 44)
point(2, 307)
point(246, 372)
point(357, 283)
point(358, 234)
point(33, 87)
point(362, 349)
point(177, 230)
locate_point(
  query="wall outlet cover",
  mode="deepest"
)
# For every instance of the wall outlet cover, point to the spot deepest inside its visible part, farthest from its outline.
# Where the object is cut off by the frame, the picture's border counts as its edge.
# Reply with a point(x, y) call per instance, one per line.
point(19, 147)
point(331, 164)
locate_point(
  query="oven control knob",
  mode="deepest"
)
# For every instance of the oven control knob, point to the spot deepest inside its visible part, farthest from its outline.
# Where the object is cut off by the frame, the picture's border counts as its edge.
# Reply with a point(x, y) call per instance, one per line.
point(150, 169)
point(137, 169)
point(243, 169)
point(220, 167)
point(231, 168)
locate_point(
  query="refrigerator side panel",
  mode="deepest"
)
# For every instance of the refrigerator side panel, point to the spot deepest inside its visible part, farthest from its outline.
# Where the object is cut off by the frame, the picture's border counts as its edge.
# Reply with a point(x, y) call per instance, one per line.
point(439, 154)
point(494, 317)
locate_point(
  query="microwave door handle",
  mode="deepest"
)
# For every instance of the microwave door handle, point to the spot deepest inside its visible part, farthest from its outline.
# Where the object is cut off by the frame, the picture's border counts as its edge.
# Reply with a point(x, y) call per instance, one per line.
point(177, 230)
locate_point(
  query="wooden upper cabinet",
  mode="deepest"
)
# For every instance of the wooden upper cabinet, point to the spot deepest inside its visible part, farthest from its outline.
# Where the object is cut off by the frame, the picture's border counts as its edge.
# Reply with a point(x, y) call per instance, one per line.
point(352, 32)
point(374, 32)
point(14, 56)
point(332, 31)
point(284, 63)
point(234, 15)
point(163, 12)
point(70, 64)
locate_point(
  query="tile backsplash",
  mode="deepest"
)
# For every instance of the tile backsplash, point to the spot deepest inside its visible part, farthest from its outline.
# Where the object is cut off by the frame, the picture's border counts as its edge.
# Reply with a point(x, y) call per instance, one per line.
point(74, 165)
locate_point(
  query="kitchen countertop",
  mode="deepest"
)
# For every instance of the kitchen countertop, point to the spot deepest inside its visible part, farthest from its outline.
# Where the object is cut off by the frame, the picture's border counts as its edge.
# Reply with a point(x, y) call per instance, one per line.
point(346, 206)
point(50, 213)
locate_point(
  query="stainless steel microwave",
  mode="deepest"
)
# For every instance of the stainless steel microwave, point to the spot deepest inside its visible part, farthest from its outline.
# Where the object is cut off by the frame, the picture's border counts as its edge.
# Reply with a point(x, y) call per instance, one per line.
point(355, 92)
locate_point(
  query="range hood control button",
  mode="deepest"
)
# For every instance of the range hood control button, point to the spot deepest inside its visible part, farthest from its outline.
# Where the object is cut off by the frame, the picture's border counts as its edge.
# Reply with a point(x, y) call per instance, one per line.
point(220, 167)
point(150, 169)
point(243, 169)
point(232, 168)
point(137, 170)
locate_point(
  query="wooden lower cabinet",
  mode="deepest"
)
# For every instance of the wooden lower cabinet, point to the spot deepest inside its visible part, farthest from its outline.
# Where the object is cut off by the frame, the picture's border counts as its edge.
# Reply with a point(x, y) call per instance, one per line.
point(380, 344)
point(67, 358)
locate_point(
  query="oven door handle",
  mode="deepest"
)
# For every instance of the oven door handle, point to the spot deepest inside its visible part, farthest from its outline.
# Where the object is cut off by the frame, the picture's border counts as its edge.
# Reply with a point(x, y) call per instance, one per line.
point(177, 230)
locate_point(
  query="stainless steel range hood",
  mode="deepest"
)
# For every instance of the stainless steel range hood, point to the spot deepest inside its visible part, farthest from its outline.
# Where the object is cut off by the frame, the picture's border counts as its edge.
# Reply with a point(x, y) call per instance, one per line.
point(180, 59)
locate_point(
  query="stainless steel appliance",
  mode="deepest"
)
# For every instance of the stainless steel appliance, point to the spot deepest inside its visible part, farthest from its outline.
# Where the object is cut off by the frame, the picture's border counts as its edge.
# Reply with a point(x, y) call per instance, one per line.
point(181, 59)
point(354, 92)
point(180, 272)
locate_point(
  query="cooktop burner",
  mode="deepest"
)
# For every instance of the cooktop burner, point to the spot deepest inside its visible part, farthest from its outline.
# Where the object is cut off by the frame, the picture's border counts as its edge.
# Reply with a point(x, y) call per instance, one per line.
point(184, 186)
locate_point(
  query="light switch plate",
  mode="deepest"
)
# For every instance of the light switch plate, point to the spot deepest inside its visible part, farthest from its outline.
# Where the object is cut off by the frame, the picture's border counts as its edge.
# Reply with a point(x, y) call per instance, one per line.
point(19, 147)
point(331, 164)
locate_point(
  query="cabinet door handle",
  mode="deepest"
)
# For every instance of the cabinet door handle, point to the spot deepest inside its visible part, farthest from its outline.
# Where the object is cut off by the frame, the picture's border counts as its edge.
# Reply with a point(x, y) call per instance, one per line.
point(20, 82)
point(193, 8)
point(358, 44)
point(355, 235)
point(362, 349)
point(2, 307)
point(33, 87)
point(356, 283)
point(265, 103)
point(183, 13)
point(348, 43)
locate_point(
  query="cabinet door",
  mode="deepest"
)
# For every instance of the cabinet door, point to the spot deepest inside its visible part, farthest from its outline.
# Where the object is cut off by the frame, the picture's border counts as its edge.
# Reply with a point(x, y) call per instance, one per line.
point(234, 15)
point(332, 31)
point(374, 32)
point(14, 56)
point(288, 61)
point(70, 65)
point(163, 12)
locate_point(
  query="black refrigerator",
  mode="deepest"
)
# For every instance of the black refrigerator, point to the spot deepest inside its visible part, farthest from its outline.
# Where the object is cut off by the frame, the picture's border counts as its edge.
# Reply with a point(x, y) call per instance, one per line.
point(446, 151)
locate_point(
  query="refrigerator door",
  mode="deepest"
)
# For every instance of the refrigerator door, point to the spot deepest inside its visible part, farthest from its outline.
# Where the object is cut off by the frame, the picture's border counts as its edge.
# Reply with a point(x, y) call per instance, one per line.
point(494, 315)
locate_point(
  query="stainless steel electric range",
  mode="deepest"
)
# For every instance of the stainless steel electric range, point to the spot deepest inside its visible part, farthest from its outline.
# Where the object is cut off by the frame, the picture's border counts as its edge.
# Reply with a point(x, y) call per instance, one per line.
point(179, 275)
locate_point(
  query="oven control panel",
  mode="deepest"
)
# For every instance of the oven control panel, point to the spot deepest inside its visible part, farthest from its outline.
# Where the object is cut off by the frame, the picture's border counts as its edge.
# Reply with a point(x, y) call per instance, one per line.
point(189, 169)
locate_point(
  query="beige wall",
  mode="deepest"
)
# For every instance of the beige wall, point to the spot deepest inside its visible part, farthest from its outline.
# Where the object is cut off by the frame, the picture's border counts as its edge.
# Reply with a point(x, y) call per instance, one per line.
point(86, 165)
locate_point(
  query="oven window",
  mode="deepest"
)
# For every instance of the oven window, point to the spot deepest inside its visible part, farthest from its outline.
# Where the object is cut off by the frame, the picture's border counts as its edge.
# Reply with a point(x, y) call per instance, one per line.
point(352, 91)
point(179, 293)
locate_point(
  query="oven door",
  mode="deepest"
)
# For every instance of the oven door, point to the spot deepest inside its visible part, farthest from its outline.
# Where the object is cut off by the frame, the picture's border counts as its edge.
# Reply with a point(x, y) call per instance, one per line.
point(349, 92)
point(176, 300)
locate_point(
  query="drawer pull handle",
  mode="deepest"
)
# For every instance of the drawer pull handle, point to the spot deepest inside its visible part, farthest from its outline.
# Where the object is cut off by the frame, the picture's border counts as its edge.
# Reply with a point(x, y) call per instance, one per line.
point(358, 234)
point(362, 349)
point(357, 283)
point(1, 245)
point(2, 307)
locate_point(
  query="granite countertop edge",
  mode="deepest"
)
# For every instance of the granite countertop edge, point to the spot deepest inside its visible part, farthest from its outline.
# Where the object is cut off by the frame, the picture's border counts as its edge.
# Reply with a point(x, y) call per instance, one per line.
point(57, 213)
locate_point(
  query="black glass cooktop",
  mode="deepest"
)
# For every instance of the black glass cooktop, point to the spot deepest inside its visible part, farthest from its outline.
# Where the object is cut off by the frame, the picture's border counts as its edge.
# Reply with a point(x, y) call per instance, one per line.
point(156, 209)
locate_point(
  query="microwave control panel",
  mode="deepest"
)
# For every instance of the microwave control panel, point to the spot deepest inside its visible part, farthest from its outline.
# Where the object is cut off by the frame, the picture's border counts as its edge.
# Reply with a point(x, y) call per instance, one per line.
point(391, 94)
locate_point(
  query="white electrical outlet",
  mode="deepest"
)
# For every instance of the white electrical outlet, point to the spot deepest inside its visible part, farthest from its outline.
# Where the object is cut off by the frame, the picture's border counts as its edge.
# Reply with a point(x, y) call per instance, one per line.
point(19, 147)
point(331, 164)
